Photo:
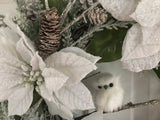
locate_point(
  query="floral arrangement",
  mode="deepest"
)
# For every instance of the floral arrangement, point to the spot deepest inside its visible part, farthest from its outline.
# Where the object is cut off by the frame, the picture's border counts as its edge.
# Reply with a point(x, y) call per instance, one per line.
point(52, 45)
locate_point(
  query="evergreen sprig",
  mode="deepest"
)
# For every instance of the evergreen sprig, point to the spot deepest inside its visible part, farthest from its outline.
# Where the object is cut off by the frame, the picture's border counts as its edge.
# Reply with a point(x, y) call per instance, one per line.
point(4, 112)
point(2, 24)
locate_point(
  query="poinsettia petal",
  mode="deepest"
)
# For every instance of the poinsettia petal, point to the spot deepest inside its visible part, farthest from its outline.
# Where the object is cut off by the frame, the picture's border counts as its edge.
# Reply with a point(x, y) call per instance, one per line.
point(43, 91)
point(59, 109)
point(25, 53)
point(81, 53)
point(8, 40)
point(147, 13)
point(37, 62)
point(4, 94)
point(54, 80)
point(9, 22)
point(8, 57)
point(76, 97)
point(137, 56)
point(120, 9)
point(134, 47)
point(28, 43)
point(20, 100)
point(151, 35)
point(9, 69)
point(73, 66)
point(10, 80)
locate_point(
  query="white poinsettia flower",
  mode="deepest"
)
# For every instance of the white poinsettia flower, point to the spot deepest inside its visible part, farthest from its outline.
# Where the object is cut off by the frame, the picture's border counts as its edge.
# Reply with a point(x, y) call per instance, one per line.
point(147, 13)
point(55, 79)
point(120, 9)
point(141, 48)
point(76, 64)
point(20, 68)
point(137, 56)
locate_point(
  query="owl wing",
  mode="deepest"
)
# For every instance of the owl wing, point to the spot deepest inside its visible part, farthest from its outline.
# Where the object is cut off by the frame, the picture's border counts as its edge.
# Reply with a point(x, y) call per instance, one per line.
point(114, 100)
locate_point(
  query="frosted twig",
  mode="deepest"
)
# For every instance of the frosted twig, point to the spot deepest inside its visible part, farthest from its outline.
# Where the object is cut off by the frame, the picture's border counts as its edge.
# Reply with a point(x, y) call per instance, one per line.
point(36, 106)
point(2, 24)
point(112, 24)
point(83, 37)
point(129, 105)
point(66, 11)
point(80, 17)
point(46, 5)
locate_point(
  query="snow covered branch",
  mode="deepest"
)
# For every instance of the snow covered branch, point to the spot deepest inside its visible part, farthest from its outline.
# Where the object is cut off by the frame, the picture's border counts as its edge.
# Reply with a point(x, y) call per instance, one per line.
point(129, 105)
point(80, 17)
point(66, 11)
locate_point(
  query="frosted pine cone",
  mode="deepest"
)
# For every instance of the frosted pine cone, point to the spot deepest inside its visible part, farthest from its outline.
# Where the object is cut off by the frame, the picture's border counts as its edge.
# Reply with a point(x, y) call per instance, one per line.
point(97, 16)
point(49, 37)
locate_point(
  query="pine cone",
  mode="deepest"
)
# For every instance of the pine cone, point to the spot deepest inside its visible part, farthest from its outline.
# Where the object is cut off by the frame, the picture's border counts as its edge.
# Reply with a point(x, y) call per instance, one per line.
point(97, 16)
point(49, 37)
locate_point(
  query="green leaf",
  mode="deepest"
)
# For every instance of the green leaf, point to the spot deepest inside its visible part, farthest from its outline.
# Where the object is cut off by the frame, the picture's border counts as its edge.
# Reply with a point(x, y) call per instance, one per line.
point(108, 44)
point(157, 71)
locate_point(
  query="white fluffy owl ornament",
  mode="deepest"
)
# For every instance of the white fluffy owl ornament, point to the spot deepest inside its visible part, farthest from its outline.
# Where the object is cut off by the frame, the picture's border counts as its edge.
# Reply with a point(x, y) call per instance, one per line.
point(109, 93)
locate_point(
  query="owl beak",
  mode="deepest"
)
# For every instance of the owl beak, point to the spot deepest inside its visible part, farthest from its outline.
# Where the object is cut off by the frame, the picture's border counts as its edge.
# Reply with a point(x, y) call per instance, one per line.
point(105, 87)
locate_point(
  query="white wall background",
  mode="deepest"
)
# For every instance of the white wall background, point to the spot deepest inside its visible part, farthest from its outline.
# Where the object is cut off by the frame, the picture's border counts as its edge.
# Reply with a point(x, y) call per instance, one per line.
point(138, 87)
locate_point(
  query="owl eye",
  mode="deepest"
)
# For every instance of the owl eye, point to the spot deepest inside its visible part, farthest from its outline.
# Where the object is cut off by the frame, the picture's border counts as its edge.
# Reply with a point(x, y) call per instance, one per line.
point(111, 85)
point(100, 87)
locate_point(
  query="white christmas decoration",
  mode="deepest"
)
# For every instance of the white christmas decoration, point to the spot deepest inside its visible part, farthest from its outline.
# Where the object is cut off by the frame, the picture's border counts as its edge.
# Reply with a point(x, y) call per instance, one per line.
point(138, 56)
point(69, 62)
point(141, 50)
point(120, 9)
point(141, 45)
point(109, 93)
point(22, 70)
point(147, 13)
point(77, 93)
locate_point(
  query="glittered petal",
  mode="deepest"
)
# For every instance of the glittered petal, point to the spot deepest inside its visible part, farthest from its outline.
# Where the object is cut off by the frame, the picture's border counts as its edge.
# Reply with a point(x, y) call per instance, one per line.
point(120, 9)
point(37, 62)
point(8, 53)
point(59, 109)
point(43, 91)
point(8, 39)
point(54, 80)
point(81, 53)
point(28, 43)
point(9, 80)
point(20, 100)
point(73, 66)
point(25, 53)
point(137, 56)
point(8, 20)
point(5, 94)
point(147, 13)
point(6, 58)
point(76, 97)
point(151, 35)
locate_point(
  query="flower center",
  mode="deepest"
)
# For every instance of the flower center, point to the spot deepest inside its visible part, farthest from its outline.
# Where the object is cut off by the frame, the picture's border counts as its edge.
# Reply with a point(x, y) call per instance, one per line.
point(31, 77)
